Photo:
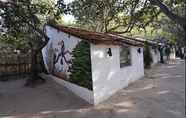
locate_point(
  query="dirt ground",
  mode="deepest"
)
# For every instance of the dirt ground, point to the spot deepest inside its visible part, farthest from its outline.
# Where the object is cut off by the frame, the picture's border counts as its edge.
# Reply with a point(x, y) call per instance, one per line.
point(16, 99)
point(160, 94)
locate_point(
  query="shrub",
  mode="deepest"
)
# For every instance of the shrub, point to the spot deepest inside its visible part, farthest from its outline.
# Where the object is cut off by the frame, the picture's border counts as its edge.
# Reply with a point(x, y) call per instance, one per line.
point(147, 56)
point(81, 65)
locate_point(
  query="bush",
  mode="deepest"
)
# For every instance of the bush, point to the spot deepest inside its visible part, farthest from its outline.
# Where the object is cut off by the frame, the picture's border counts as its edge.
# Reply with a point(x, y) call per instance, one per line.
point(147, 56)
point(81, 65)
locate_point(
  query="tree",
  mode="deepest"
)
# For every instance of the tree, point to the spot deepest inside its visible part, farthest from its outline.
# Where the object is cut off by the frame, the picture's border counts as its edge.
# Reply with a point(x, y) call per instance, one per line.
point(119, 16)
point(171, 31)
point(81, 65)
point(170, 13)
point(28, 17)
point(147, 56)
point(174, 17)
point(122, 16)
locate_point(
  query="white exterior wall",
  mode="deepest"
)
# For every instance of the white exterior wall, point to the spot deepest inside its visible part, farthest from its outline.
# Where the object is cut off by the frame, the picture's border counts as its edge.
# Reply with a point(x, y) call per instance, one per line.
point(56, 36)
point(70, 43)
point(155, 56)
point(173, 54)
point(107, 75)
point(83, 93)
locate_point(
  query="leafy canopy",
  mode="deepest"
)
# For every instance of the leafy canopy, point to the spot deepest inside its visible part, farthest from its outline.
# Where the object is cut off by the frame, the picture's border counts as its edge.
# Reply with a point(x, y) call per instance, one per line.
point(25, 18)
point(112, 15)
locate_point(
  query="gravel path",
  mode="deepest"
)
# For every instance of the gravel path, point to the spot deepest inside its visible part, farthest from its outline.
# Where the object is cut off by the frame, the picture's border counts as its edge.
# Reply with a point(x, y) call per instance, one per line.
point(159, 95)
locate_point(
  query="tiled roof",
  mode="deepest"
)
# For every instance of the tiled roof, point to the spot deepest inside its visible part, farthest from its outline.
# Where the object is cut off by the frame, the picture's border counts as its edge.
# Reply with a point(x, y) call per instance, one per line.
point(149, 42)
point(98, 38)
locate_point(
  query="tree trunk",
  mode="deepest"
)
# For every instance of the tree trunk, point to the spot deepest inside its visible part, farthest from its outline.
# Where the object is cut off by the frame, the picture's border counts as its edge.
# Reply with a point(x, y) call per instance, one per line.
point(34, 67)
point(34, 77)
point(161, 55)
point(184, 27)
point(174, 17)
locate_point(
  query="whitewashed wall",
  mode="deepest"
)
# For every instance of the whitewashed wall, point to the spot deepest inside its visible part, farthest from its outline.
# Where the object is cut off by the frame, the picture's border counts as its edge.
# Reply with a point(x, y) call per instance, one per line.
point(56, 36)
point(70, 43)
point(173, 54)
point(107, 75)
point(83, 93)
point(155, 56)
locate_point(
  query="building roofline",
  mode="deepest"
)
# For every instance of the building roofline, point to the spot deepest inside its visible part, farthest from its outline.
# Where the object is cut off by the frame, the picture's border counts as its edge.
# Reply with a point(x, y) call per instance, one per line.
point(97, 37)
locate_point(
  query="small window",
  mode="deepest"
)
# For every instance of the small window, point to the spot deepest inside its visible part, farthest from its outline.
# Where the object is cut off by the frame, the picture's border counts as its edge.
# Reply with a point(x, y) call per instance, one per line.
point(125, 56)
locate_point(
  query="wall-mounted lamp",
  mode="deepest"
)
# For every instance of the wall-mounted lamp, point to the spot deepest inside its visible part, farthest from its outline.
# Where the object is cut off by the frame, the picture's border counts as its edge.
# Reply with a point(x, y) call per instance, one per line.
point(139, 50)
point(109, 52)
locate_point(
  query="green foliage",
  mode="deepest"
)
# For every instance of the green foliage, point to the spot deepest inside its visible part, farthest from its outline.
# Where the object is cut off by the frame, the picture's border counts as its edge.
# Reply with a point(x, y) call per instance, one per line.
point(147, 56)
point(132, 17)
point(81, 65)
point(27, 17)
point(162, 28)
point(112, 15)
point(167, 51)
point(16, 43)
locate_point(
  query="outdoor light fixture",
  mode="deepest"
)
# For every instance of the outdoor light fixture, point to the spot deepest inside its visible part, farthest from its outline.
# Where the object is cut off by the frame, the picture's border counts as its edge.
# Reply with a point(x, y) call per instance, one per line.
point(109, 52)
point(139, 50)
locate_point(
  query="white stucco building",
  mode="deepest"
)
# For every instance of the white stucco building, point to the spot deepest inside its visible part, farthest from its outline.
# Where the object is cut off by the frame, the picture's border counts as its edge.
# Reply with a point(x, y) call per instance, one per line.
point(155, 53)
point(116, 61)
point(154, 49)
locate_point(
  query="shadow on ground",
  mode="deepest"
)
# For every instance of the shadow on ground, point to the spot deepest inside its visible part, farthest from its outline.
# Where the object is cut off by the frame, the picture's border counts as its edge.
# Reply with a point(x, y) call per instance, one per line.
point(159, 95)
point(15, 98)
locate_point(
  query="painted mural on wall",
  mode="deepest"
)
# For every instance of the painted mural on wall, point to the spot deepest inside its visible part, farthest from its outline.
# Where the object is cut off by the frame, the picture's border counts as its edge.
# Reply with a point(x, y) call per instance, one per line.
point(63, 58)
point(56, 59)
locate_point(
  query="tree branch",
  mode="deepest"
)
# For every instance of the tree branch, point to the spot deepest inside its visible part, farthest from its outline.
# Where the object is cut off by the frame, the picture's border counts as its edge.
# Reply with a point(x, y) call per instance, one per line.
point(178, 19)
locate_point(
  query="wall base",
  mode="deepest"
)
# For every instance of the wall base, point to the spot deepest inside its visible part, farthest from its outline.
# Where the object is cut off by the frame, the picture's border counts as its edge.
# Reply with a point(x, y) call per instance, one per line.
point(83, 93)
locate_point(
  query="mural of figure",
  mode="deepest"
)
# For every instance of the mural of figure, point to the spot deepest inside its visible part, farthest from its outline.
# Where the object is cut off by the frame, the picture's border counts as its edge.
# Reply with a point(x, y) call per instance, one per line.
point(63, 53)
point(61, 57)
point(57, 58)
